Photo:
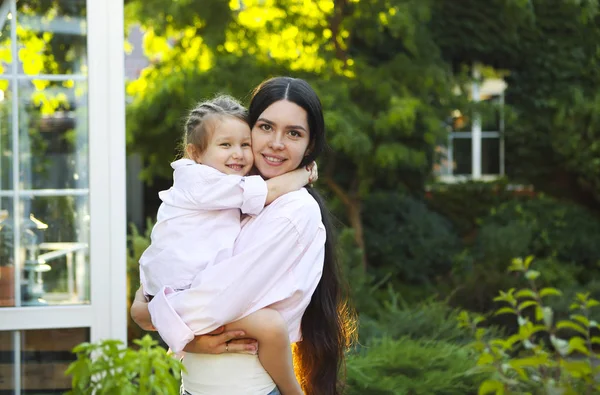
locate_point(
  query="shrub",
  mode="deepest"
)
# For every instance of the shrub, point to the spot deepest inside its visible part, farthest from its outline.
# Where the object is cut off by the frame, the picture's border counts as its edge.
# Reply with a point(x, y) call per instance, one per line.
point(556, 229)
point(465, 203)
point(524, 362)
point(432, 320)
point(115, 369)
point(403, 237)
point(407, 366)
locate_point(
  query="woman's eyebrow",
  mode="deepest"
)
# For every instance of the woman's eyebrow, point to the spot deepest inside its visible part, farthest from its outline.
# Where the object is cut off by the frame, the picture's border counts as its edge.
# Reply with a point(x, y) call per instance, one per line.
point(287, 127)
point(265, 120)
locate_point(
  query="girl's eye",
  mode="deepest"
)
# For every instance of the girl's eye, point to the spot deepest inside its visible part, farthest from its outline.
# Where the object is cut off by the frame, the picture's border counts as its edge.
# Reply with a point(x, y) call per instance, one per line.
point(246, 145)
point(225, 144)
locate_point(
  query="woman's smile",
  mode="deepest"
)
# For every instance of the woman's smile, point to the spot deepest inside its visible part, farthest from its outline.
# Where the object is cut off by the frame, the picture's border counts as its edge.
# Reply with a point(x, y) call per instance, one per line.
point(280, 138)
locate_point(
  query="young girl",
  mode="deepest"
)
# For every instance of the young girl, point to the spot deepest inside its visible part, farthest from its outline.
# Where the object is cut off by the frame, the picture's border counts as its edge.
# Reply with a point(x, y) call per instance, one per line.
point(199, 219)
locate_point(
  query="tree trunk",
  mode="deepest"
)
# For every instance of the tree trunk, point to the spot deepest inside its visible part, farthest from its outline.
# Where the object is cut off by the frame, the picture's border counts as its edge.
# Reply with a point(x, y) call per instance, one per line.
point(353, 208)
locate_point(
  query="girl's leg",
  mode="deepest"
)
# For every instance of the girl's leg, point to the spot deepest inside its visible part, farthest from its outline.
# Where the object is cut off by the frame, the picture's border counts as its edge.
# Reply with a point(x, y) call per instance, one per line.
point(274, 349)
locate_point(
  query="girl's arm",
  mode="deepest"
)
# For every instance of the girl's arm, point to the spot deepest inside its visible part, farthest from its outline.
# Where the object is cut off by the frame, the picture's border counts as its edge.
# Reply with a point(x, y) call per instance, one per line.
point(256, 278)
point(290, 182)
point(202, 187)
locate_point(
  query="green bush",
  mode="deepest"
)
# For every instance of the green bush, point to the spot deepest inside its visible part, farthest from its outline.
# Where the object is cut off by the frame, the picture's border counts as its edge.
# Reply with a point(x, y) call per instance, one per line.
point(403, 237)
point(556, 229)
point(525, 362)
point(465, 203)
point(108, 367)
point(417, 367)
point(432, 320)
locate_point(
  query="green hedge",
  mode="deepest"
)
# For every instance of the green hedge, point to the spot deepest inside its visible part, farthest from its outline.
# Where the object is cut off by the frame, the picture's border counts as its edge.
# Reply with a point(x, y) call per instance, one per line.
point(417, 367)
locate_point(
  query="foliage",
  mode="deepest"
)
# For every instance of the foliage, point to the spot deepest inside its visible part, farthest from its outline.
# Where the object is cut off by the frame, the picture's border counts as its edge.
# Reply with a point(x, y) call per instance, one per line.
point(406, 366)
point(464, 204)
point(137, 244)
point(523, 362)
point(428, 320)
point(107, 367)
point(408, 240)
point(554, 229)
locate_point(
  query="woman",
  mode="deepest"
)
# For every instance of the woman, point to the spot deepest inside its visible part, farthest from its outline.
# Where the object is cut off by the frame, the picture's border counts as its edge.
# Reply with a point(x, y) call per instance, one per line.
point(283, 258)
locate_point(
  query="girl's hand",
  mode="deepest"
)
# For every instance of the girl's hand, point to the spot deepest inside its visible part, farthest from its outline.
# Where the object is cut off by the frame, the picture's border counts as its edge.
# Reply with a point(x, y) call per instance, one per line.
point(221, 341)
point(314, 173)
point(139, 311)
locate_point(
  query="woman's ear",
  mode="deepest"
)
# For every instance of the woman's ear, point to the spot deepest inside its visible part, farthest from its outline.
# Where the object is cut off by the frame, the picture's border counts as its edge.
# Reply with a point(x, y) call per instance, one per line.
point(310, 148)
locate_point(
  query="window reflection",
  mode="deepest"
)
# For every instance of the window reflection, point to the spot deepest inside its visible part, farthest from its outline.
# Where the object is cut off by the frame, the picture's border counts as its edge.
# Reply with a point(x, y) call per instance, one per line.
point(52, 37)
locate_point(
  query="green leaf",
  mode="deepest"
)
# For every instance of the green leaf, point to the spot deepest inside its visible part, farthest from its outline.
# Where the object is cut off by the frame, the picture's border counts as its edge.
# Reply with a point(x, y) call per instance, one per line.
point(526, 293)
point(532, 275)
point(550, 291)
point(505, 310)
point(491, 387)
point(581, 319)
point(526, 304)
point(572, 325)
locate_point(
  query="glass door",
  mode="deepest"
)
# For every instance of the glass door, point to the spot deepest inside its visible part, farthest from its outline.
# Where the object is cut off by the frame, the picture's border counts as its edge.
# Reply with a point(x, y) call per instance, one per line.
point(61, 152)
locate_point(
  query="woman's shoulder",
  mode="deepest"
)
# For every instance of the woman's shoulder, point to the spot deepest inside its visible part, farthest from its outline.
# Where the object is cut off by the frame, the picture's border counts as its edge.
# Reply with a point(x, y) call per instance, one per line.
point(299, 207)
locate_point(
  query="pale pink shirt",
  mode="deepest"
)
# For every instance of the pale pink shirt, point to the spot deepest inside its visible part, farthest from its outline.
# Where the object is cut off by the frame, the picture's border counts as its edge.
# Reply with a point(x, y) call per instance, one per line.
point(278, 262)
point(197, 223)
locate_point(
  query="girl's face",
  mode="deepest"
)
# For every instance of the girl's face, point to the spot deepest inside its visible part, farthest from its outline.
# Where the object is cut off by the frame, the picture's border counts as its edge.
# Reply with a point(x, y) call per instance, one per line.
point(229, 147)
point(280, 138)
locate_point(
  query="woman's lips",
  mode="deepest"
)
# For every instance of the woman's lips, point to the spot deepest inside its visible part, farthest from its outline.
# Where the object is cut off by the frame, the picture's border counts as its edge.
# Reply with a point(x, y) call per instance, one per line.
point(273, 160)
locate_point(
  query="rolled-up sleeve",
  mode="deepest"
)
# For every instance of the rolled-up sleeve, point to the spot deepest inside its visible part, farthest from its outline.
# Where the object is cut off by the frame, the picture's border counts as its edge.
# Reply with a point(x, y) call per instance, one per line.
point(261, 275)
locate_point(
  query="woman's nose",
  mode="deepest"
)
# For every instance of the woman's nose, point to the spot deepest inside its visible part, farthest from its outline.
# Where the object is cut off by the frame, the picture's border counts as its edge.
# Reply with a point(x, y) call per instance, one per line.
point(276, 143)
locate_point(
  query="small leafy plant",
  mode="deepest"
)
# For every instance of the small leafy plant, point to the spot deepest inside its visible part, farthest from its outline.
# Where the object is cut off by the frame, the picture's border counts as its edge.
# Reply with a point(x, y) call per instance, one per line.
point(544, 357)
point(108, 367)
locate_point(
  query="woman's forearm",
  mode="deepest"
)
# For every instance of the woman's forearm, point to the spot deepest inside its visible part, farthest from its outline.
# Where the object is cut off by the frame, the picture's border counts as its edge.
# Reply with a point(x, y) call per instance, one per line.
point(139, 311)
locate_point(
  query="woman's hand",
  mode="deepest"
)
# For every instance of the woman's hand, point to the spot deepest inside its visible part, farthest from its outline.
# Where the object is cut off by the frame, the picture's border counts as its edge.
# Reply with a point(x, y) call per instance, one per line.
point(222, 341)
point(139, 311)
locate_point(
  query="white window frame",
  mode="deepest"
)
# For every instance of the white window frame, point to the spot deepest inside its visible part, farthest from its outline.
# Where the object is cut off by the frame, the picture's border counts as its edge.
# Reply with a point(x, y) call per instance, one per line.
point(106, 315)
point(476, 135)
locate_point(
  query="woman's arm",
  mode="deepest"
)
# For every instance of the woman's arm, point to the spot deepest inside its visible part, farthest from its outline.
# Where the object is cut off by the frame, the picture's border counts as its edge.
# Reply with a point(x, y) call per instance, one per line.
point(215, 342)
point(256, 278)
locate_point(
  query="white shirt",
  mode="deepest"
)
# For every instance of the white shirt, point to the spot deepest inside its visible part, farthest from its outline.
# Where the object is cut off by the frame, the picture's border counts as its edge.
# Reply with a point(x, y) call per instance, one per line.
point(277, 262)
point(197, 223)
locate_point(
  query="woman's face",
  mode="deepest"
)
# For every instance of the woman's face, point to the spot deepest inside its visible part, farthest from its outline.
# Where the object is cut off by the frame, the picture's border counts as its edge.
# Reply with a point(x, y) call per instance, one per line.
point(280, 138)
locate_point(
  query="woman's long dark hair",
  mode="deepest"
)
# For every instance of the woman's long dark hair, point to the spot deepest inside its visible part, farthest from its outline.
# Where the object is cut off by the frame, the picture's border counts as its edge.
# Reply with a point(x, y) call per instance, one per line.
point(328, 324)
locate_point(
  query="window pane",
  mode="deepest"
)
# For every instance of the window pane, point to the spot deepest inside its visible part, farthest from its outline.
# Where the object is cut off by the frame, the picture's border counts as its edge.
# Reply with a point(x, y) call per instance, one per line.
point(54, 250)
point(52, 37)
point(53, 136)
point(490, 156)
point(490, 114)
point(462, 154)
point(45, 356)
point(5, 43)
point(7, 370)
point(6, 124)
point(7, 267)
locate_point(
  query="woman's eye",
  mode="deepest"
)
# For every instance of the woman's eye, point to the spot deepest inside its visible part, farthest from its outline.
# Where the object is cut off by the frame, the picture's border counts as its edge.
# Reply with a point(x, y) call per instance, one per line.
point(266, 127)
point(295, 133)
